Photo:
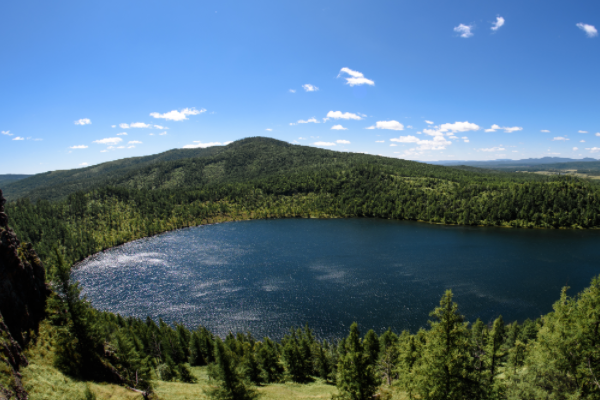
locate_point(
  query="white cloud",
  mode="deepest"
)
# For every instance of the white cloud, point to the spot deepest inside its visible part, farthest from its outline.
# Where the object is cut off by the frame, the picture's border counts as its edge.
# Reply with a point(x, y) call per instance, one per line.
point(84, 164)
point(493, 149)
point(310, 88)
point(464, 30)
point(466, 140)
point(356, 78)
point(429, 122)
point(268, 129)
point(339, 128)
point(324, 144)
point(124, 126)
point(393, 145)
point(438, 142)
point(341, 115)
point(301, 138)
point(103, 151)
point(121, 147)
point(459, 127)
point(7, 133)
point(175, 115)
point(582, 131)
point(582, 141)
point(575, 148)
point(292, 91)
point(409, 127)
point(19, 138)
point(499, 22)
point(406, 139)
point(380, 141)
point(81, 146)
point(162, 134)
point(122, 134)
point(160, 127)
point(134, 142)
point(545, 131)
point(140, 125)
point(313, 120)
point(83, 121)
point(111, 141)
point(597, 133)
point(589, 30)
point(559, 138)
point(199, 145)
point(341, 141)
point(393, 125)
point(594, 149)
point(229, 142)
point(507, 129)
point(113, 126)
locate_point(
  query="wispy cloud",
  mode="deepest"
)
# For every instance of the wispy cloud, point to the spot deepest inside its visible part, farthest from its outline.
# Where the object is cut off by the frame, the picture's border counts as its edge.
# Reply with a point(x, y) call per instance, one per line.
point(324, 144)
point(160, 127)
point(19, 138)
point(309, 88)
point(162, 134)
point(560, 138)
point(83, 121)
point(341, 115)
point(589, 30)
point(493, 149)
point(292, 91)
point(122, 134)
point(341, 141)
point(339, 128)
point(7, 133)
point(507, 129)
point(393, 125)
point(380, 141)
point(199, 145)
point(582, 131)
point(175, 115)
point(110, 141)
point(575, 148)
point(84, 164)
point(498, 24)
point(313, 120)
point(355, 78)
point(545, 131)
point(593, 149)
point(134, 142)
point(459, 127)
point(269, 129)
point(464, 31)
point(81, 146)
point(437, 143)
point(429, 122)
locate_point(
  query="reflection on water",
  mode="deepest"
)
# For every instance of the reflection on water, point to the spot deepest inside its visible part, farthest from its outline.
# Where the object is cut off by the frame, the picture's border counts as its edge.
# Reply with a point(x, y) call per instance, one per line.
point(266, 276)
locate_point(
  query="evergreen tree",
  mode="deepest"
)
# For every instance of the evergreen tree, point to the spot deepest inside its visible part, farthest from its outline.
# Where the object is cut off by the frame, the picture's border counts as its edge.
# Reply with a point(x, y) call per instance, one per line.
point(356, 377)
point(230, 386)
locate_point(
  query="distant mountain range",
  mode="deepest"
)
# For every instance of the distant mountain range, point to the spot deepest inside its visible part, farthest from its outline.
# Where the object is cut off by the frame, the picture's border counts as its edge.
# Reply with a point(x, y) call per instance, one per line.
point(4, 179)
point(510, 163)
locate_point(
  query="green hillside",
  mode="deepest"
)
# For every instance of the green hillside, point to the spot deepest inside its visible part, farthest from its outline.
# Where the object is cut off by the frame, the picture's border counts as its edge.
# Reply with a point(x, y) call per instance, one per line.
point(9, 178)
point(240, 161)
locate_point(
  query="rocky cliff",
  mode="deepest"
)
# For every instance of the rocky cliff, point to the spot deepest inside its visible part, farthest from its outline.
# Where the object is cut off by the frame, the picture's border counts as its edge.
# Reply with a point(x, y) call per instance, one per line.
point(23, 294)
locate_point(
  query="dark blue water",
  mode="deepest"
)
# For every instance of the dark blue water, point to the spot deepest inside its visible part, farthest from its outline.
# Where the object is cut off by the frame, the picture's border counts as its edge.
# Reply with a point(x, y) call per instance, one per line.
point(266, 276)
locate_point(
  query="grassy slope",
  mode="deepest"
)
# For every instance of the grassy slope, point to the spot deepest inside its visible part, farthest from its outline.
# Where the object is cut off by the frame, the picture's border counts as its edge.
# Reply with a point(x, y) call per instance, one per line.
point(44, 382)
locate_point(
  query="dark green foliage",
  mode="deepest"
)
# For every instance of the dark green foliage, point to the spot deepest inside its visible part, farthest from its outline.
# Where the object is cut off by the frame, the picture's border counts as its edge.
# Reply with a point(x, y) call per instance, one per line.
point(185, 375)
point(269, 361)
point(229, 384)
point(356, 377)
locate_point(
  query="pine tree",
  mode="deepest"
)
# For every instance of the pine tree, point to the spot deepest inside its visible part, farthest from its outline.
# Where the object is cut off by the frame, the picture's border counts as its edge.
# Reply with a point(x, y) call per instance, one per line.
point(356, 378)
point(444, 371)
point(230, 386)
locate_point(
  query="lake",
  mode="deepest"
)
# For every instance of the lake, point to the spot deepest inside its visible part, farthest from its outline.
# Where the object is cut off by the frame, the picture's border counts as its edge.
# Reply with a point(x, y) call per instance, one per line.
point(265, 276)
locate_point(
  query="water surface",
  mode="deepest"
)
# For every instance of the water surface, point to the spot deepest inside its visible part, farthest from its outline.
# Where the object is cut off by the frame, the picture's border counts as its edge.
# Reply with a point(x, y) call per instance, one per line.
point(266, 276)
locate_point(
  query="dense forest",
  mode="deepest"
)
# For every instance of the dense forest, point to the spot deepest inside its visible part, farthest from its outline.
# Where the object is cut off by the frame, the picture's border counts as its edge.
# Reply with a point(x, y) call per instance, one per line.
point(82, 212)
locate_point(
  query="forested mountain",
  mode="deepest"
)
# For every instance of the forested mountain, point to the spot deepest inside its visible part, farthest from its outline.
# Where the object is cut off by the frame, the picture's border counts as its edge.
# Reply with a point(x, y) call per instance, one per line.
point(9, 178)
point(527, 162)
point(251, 158)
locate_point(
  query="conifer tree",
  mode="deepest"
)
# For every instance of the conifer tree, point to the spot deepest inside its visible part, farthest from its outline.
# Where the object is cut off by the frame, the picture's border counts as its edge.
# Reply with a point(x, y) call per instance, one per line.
point(356, 377)
point(444, 371)
point(229, 385)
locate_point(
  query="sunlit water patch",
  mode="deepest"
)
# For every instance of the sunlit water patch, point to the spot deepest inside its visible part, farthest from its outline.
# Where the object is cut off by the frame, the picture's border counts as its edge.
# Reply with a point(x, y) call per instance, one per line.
point(266, 276)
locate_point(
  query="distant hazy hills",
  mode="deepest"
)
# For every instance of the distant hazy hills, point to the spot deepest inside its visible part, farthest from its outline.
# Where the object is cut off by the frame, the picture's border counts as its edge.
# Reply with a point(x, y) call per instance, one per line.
point(513, 163)
point(5, 179)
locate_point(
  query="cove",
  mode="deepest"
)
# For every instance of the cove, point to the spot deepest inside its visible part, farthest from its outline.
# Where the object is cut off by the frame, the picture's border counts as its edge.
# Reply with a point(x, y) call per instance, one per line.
point(265, 276)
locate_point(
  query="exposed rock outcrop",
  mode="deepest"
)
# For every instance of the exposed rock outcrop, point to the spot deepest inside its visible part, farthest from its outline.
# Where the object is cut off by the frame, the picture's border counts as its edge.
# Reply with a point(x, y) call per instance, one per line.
point(23, 294)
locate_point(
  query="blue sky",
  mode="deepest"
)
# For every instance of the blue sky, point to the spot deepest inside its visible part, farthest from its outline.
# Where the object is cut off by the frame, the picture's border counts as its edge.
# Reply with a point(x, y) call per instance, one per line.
point(422, 80)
